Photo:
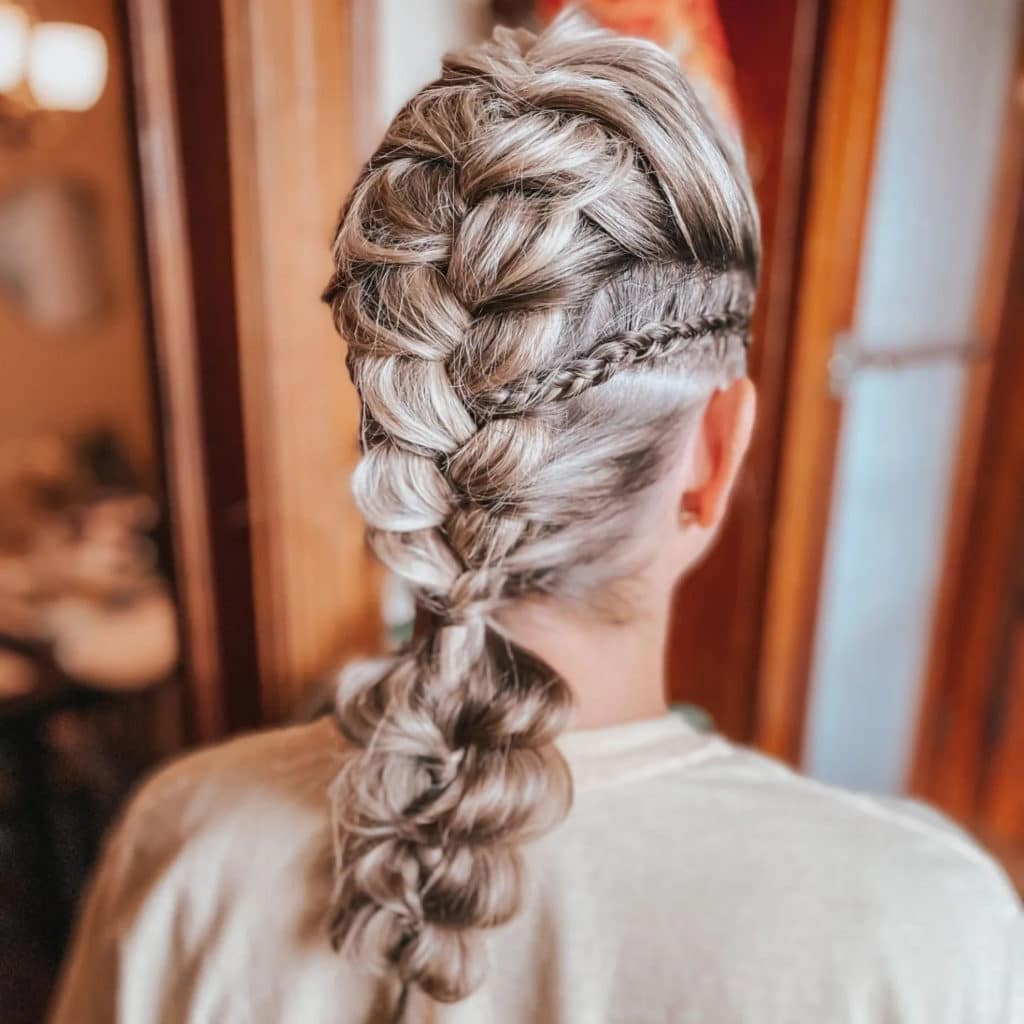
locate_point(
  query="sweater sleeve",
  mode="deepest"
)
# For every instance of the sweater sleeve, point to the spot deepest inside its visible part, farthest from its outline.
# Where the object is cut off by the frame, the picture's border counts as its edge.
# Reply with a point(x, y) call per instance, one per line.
point(87, 990)
point(124, 951)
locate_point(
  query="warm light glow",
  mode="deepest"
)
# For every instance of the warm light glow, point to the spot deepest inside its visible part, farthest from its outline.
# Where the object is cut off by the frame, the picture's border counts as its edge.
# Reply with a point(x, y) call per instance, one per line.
point(67, 65)
point(13, 46)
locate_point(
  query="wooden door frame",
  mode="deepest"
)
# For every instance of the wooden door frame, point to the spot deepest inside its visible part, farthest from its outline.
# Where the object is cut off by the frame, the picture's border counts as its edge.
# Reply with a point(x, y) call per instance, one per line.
point(245, 150)
point(178, 330)
point(716, 619)
point(969, 633)
point(292, 148)
point(845, 134)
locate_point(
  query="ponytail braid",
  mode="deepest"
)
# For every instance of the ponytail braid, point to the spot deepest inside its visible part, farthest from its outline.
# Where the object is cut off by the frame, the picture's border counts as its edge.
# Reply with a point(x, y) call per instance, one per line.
point(553, 213)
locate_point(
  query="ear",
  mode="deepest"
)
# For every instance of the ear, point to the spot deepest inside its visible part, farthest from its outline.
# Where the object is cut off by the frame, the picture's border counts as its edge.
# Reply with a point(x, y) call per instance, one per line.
point(726, 428)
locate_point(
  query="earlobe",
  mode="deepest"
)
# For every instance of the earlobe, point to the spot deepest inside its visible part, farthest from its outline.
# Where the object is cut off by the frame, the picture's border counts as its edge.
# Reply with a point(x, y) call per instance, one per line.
point(689, 508)
point(726, 428)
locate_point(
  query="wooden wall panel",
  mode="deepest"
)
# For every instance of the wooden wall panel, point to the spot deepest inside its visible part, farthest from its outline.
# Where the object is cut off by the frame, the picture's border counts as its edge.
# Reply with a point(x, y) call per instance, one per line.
point(246, 153)
point(1002, 807)
point(846, 123)
point(970, 755)
point(290, 136)
point(716, 631)
point(178, 100)
point(971, 607)
point(173, 332)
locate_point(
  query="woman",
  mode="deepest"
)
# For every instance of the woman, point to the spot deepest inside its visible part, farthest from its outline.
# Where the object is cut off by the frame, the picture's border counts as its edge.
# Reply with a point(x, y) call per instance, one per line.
point(544, 277)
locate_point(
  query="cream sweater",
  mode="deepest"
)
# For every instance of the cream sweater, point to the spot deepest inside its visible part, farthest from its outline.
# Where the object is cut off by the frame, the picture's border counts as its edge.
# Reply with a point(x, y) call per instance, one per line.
point(694, 882)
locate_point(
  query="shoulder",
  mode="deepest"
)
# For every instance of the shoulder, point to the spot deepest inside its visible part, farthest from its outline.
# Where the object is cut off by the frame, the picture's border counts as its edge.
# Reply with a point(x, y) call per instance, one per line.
point(220, 806)
point(890, 853)
point(895, 836)
point(203, 866)
point(272, 758)
point(904, 894)
point(767, 866)
point(722, 794)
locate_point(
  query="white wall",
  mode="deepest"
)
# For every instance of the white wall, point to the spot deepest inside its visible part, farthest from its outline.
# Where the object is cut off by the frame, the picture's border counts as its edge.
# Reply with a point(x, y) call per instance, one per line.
point(410, 37)
point(947, 76)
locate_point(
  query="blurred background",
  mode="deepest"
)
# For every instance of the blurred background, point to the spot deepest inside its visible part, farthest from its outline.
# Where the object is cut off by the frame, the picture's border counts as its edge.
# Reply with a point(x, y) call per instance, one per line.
point(179, 555)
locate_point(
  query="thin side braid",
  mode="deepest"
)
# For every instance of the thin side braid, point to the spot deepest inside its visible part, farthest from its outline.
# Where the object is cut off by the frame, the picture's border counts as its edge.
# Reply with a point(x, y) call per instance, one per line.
point(609, 356)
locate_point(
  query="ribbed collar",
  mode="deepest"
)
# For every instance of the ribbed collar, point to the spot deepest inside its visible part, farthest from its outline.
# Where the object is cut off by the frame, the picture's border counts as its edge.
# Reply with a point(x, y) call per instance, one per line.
point(636, 749)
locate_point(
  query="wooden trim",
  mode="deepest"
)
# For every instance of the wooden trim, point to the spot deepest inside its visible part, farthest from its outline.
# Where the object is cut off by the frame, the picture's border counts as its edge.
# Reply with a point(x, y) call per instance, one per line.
point(716, 622)
point(1003, 801)
point(957, 690)
point(846, 128)
point(246, 152)
point(289, 97)
point(968, 705)
point(178, 67)
point(174, 344)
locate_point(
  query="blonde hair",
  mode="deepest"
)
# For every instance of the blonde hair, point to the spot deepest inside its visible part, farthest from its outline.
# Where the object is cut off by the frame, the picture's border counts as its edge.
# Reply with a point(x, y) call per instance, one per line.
point(549, 260)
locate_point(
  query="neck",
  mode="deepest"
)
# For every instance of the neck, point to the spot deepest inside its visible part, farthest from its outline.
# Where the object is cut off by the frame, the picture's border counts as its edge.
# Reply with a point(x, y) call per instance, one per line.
point(616, 671)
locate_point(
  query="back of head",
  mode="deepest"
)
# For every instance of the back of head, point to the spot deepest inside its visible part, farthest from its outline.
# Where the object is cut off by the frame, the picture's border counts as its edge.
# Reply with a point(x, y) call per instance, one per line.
point(549, 261)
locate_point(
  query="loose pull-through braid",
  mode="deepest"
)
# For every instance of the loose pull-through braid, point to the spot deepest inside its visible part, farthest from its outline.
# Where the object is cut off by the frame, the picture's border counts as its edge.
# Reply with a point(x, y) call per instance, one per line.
point(544, 192)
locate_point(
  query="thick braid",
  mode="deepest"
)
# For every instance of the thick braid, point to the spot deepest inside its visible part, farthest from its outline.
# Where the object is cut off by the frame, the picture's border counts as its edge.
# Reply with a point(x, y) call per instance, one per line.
point(456, 764)
point(509, 201)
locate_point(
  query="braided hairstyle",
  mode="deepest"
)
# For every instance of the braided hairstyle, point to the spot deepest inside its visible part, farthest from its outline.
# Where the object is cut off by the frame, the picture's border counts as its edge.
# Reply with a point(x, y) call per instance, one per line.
point(549, 260)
